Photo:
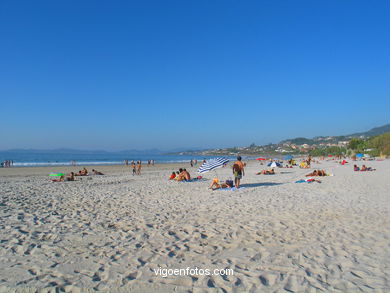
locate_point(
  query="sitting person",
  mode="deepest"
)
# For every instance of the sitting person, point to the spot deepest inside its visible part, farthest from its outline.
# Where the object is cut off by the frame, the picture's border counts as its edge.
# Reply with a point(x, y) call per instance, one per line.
point(83, 172)
point(216, 185)
point(70, 177)
point(356, 168)
point(180, 176)
point(183, 175)
point(186, 175)
point(95, 172)
point(173, 176)
point(303, 165)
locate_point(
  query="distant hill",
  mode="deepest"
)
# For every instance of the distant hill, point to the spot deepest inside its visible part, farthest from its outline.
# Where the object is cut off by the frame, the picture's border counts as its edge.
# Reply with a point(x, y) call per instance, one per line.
point(294, 145)
point(334, 139)
point(374, 131)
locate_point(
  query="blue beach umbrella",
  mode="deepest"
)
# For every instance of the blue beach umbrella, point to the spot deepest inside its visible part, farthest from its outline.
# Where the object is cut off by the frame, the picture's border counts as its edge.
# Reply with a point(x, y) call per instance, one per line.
point(212, 164)
point(359, 155)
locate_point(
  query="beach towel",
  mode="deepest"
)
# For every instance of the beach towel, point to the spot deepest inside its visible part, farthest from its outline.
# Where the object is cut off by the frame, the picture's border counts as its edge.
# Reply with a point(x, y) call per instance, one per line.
point(231, 188)
point(309, 180)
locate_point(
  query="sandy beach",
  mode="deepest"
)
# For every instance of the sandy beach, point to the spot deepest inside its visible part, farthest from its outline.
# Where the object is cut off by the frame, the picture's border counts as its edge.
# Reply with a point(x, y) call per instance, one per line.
point(114, 232)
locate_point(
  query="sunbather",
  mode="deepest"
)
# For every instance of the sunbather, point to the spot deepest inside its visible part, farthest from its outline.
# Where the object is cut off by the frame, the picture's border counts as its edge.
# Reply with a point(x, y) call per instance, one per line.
point(356, 168)
point(316, 173)
point(69, 177)
point(266, 172)
point(95, 172)
point(216, 185)
point(183, 175)
point(83, 172)
point(364, 168)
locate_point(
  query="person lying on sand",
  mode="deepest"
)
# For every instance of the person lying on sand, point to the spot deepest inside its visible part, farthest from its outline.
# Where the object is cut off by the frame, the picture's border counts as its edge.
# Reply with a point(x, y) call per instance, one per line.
point(216, 185)
point(364, 168)
point(69, 177)
point(316, 173)
point(356, 168)
point(266, 172)
point(95, 172)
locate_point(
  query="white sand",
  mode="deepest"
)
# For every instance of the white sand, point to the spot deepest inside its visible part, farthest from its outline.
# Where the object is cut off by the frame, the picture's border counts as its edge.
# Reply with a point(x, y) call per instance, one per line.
point(110, 232)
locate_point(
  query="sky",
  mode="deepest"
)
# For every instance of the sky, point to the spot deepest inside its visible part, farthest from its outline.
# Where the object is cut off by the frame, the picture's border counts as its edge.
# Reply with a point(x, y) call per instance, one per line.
point(118, 75)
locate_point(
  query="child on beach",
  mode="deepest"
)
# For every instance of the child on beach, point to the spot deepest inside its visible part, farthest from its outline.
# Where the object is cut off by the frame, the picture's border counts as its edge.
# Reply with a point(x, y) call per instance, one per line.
point(173, 176)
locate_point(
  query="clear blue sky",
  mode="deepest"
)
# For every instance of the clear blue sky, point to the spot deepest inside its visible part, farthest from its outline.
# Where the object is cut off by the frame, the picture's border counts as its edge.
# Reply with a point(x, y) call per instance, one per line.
point(164, 74)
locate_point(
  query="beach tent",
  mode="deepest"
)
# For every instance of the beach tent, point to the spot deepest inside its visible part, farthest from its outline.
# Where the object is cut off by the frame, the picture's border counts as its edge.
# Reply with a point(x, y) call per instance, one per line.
point(274, 164)
point(212, 164)
point(287, 157)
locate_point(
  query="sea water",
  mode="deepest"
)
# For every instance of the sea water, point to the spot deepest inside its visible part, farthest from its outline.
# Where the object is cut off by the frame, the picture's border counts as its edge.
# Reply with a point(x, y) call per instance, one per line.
point(35, 159)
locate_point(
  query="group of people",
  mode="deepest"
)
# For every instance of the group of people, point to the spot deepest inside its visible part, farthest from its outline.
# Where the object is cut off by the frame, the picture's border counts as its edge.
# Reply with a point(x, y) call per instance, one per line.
point(71, 175)
point(7, 163)
point(238, 173)
point(150, 162)
point(181, 175)
point(136, 167)
point(363, 168)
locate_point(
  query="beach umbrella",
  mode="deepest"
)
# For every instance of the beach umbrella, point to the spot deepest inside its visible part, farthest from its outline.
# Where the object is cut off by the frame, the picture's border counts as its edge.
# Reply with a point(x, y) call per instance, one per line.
point(359, 155)
point(274, 164)
point(287, 157)
point(56, 174)
point(261, 159)
point(212, 164)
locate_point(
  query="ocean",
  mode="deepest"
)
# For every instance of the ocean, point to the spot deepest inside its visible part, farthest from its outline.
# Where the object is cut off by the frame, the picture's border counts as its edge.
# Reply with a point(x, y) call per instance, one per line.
point(36, 159)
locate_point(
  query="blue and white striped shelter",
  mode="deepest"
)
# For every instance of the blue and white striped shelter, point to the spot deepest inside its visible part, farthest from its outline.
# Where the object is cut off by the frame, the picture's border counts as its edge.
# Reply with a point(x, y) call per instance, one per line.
point(212, 164)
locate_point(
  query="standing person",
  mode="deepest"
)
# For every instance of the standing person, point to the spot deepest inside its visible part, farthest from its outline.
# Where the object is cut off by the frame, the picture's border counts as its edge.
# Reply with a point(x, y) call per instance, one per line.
point(192, 163)
point(139, 168)
point(133, 167)
point(238, 171)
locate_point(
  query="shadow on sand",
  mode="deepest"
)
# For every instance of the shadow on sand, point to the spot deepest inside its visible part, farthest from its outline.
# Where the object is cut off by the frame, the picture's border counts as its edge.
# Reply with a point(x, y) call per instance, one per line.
point(260, 184)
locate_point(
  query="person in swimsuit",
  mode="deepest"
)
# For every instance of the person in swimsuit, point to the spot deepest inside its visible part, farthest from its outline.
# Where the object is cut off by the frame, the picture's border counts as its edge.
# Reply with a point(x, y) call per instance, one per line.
point(216, 185)
point(139, 168)
point(95, 172)
point(238, 171)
